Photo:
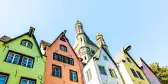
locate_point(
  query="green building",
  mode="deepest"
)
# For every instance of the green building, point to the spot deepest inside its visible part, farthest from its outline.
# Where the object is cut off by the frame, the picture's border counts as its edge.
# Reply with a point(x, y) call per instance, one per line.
point(21, 61)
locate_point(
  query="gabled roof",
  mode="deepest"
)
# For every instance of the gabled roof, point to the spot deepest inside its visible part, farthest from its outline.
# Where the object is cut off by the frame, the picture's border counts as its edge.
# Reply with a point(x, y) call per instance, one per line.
point(27, 33)
point(5, 38)
point(63, 33)
point(98, 53)
point(148, 67)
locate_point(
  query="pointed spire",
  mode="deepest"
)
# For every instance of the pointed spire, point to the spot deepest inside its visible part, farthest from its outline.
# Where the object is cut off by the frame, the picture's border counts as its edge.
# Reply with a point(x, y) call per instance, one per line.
point(100, 40)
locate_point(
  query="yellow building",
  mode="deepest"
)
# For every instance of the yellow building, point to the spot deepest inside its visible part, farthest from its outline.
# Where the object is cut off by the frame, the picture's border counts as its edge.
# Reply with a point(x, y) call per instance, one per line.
point(130, 71)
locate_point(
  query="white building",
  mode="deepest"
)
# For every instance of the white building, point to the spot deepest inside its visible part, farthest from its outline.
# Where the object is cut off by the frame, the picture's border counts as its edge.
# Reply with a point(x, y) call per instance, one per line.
point(99, 67)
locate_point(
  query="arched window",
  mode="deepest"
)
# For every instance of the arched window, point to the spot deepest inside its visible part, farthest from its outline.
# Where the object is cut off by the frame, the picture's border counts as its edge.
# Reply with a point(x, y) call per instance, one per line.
point(27, 43)
point(64, 48)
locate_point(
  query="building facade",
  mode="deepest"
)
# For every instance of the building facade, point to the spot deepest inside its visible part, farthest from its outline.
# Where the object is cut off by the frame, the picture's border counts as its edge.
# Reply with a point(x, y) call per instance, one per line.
point(148, 72)
point(62, 64)
point(21, 61)
point(97, 69)
point(130, 71)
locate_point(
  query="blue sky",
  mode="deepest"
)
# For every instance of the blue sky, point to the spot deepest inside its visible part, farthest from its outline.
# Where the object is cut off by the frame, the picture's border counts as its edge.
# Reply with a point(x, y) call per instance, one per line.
point(140, 23)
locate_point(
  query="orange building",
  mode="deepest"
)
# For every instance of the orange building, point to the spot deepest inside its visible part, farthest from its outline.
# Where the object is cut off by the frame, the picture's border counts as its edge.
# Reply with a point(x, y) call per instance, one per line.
point(62, 64)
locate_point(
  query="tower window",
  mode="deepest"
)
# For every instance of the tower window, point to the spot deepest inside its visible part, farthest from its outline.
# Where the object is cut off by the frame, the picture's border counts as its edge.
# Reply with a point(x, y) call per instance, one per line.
point(63, 48)
point(27, 43)
point(102, 70)
point(56, 71)
point(105, 58)
point(73, 76)
point(3, 78)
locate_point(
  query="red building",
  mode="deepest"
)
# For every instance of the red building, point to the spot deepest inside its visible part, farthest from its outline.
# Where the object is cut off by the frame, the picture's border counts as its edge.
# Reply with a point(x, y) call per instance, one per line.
point(62, 64)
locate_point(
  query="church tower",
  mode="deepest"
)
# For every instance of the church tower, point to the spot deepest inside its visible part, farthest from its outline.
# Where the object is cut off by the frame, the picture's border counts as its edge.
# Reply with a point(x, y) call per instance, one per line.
point(84, 47)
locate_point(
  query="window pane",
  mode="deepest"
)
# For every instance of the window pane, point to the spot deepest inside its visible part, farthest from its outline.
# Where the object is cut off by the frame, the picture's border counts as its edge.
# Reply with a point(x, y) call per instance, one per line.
point(16, 59)
point(102, 70)
point(56, 71)
point(31, 82)
point(24, 43)
point(24, 81)
point(139, 74)
point(105, 58)
point(3, 79)
point(24, 61)
point(9, 57)
point(29, 45)
point(73, 76)
point(133, 72)
point(30, 63)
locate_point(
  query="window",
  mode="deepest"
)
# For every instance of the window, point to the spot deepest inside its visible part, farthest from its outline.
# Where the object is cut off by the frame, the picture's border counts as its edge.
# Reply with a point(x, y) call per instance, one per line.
point(56, 71)
point(128, 60)
point(27, 81)
point(73, 76)
point(28, 62)
point(112, 73)
point(64, 48)
point(27, 43)
point(102, 70)
point(105, 58)
point(89, 76)
point(133, 72)
point(62, 58)
point(62, 39)
point(16, 58)
point(140, 76)
point(13, 58)
point(3, 78)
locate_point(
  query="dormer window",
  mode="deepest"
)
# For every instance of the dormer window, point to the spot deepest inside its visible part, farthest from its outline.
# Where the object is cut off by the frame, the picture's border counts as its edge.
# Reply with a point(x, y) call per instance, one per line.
point(27, 43)
point(64, 48)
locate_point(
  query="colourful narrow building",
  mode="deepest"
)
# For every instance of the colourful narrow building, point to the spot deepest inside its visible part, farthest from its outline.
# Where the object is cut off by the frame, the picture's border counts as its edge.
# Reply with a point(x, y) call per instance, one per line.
point(130, 71)
point(21, 61)
point(148, 72)
point(62, 64)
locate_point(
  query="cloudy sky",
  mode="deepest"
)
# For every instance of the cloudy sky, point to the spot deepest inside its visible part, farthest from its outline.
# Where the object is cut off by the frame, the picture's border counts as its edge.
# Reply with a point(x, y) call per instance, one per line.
point(140, 23)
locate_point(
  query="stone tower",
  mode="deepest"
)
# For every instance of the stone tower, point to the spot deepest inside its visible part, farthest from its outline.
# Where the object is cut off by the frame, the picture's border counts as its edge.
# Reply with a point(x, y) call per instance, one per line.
point(84, 47)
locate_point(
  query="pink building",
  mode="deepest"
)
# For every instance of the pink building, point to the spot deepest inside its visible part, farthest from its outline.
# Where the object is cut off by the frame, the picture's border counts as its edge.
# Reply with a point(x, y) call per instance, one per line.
point(148, 72)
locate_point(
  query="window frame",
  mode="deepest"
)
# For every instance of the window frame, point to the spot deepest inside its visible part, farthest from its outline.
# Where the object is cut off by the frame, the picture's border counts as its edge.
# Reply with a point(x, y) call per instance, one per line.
point(113, 73)
point(20, 59)
point(29, 79)
point(88, 75)
point(139, 75)
point(128, 59)
point(104, 72)
point(72, 78)
point(60, 71)
point(57, 57)
point(133, 73)
point(63, 48)
point(28, 41)
point(28, 58)
point(5, 74)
